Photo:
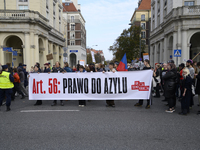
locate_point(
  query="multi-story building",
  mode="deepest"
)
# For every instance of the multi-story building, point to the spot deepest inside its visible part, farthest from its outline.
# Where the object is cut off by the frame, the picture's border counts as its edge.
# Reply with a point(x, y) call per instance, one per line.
point(76, 33)
point(175, 24)
point(141, 17)
point(33, 28)
point(97, 52)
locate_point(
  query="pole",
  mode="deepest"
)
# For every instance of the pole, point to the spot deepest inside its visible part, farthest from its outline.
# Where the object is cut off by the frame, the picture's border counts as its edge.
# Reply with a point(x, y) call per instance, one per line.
point(140, 46)
point(177, 60)
point(12, 58)
point(4, 4)
point(196, 56)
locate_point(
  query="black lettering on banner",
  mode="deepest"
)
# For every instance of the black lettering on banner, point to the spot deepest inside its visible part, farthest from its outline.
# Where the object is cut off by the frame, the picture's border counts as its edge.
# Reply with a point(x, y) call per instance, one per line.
point(69, 85)
point(64, 84)
point(124, 80)
point(93, 85)
point(98, 85)
point(115, 84)
point(110, 86)
point(74, 86)
point(80, 85)
point(106, 86)
point(119, 86)
point(86, 86)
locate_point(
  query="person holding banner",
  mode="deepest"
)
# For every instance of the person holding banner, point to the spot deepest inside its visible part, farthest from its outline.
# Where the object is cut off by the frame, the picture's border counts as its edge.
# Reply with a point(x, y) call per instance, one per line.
point(82, 103)
point(140, 103)
point(6, 85)
point(197, 90)
point(57, 69)
point(110, 103)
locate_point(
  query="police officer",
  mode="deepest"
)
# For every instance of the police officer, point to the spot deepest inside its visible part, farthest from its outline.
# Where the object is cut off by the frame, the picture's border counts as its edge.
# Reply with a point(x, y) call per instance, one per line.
point(6, 85)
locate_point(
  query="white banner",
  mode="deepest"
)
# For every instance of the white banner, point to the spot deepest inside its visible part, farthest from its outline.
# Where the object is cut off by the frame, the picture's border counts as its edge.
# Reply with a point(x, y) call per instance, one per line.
point(93, 58)
point(91, 86)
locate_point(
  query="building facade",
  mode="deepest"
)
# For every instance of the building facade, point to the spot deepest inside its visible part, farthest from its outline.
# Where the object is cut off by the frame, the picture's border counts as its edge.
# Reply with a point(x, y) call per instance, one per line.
point(141, 17)
point(33, 28)
point(76, 32)
point(175, 24)
point(98, 53)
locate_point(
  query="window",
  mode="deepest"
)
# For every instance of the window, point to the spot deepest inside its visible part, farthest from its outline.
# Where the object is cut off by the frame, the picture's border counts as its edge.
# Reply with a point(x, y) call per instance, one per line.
point(143, 26)
point(165, 4)
point(72, 18)
point(66, 4)
point(54, 9)
point(23, 0)
point(23, 7)
point(72, 42)
point(189, 3)
point(143, 35)
point(59, 26)
point(47, 4)
point(72, 27)
point(59, 15)
point(54, 22)
point(47, 14)
point(142, 17)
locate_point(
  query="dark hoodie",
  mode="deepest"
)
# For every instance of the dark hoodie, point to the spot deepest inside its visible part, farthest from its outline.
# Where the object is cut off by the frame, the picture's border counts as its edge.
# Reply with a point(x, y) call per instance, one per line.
point(21, 74)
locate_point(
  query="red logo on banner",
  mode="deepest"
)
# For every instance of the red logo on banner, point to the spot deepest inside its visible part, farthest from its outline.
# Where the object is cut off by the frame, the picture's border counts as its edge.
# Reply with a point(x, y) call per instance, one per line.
point(140, 86)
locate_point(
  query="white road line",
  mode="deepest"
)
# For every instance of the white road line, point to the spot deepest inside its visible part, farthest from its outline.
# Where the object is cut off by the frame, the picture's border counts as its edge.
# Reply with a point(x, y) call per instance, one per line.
point(35, 111)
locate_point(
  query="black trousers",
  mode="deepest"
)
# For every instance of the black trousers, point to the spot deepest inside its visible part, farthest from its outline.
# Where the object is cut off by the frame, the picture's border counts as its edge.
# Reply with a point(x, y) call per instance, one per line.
point(82, 102)
point(110, 102)
point(5, 93)
point(16, 89)
point(185, 103)
point(157, 90)
point(55, 101)
point(171, 102)
point(141, 102)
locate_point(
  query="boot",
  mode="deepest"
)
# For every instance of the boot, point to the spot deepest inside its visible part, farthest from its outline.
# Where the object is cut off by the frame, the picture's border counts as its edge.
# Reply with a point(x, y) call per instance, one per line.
point(8, 108)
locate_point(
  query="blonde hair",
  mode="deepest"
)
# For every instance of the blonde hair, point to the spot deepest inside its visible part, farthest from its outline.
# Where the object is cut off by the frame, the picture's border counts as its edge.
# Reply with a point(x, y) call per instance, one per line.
point(187, 71)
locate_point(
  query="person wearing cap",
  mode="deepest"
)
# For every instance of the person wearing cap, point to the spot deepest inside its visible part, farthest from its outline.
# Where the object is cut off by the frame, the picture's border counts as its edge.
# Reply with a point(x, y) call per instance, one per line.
point(57, 69)
point(46, 68)
point(6, 86)
point(5, 68)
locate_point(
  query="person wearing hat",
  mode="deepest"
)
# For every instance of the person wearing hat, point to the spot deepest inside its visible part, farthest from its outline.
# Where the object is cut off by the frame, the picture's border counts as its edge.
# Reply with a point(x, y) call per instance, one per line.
point(46, 68)
point(116, 65)
point(5, 68)
point(6, 86)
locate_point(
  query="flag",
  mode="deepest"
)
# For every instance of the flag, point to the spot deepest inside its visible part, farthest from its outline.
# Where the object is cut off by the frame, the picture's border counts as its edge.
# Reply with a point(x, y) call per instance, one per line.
point(123, 64)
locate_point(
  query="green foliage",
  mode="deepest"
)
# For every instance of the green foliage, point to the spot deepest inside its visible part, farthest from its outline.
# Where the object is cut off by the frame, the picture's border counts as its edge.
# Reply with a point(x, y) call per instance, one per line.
point(128, 42)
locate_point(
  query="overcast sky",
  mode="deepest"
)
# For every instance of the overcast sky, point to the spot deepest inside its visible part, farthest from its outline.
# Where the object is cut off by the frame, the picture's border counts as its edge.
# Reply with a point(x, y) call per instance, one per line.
point(105, 21)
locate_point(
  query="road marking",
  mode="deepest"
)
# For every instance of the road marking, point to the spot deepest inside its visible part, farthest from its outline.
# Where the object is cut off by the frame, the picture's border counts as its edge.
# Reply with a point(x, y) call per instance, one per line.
point(34, 111)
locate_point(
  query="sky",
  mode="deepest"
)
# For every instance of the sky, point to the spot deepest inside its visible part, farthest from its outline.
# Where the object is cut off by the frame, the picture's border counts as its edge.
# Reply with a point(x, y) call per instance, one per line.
point(105, 21)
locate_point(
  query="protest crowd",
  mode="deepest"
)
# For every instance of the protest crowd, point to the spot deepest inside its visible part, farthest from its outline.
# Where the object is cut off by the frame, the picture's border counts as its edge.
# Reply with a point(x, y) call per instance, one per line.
point(176, 83)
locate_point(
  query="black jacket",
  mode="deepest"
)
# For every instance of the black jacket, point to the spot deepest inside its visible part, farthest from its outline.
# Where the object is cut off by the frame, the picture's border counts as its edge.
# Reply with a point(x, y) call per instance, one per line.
point(170, 83)
point(58, 69)
point(197, 90)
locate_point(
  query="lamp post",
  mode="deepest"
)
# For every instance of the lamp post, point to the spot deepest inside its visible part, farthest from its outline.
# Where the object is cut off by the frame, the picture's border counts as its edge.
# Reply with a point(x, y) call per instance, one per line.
point(140, 45)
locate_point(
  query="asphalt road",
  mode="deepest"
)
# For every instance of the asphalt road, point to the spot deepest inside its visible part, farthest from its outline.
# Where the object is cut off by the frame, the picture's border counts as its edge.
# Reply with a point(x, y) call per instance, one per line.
point(96, 127)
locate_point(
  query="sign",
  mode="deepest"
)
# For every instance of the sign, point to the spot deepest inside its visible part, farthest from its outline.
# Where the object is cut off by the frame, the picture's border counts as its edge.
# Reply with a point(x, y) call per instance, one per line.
point(91, 86)
point(140, 59)
point(93, 58)
point(82, 62)
point(177, 53)
point(145, 56)
point(65, 59)
point(171, 56)
point(7, 49)
point(64, 54)
point(14, 59)
point(49, 57)
point(73, 51)
point(65, 48)
point(14, 53)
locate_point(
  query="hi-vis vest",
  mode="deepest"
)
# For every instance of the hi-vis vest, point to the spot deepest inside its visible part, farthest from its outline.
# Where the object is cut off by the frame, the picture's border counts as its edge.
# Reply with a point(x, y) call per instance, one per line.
point(5, 82)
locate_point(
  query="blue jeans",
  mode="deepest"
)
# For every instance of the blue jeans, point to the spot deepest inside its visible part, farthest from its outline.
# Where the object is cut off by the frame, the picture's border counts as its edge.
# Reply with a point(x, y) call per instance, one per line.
point(5, 93)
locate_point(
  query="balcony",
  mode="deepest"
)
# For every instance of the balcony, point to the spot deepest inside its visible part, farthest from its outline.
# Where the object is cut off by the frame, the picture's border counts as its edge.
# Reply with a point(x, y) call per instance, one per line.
point(22, 15)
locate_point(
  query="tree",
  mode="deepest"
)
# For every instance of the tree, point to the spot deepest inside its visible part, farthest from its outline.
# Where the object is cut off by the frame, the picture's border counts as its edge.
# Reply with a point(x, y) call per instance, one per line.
point(89, 58)
point(128, 42)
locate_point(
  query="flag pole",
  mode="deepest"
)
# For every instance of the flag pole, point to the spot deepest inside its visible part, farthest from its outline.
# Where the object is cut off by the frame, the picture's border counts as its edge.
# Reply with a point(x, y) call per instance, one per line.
point(196, 56)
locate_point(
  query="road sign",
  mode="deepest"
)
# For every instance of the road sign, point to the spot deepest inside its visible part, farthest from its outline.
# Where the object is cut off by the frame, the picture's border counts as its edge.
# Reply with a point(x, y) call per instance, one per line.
point(65, 48)
point(64, 54)
point(177, 53)
point(7, 49)
point(73, 51)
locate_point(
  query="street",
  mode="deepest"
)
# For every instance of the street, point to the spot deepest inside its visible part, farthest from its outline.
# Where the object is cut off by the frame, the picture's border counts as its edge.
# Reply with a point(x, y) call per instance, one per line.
point(96, 127)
